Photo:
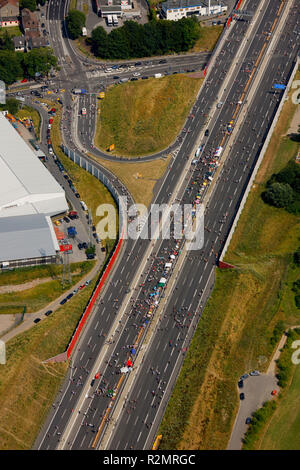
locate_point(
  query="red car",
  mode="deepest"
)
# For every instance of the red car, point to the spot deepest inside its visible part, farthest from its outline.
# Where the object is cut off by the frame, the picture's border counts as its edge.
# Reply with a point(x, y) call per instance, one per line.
point(50, 120)
point(24, 80)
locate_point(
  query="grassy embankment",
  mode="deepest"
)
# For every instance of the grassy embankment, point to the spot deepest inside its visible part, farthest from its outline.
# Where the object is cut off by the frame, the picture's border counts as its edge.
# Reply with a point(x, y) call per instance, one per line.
point(145, 117)
point(234, 333)
point(42, 293)
point(33, 385)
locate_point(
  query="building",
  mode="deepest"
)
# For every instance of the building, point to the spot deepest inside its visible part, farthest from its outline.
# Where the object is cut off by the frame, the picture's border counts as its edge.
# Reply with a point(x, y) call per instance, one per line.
point(29, 197)
point(116, 7)
point(36, 42)
point(29, 21)
point(177, 9)
point(9, 13)
point(19, 43)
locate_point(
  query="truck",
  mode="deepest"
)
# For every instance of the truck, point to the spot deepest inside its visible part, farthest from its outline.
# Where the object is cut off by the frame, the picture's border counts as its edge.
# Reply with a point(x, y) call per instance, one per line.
point(157, 75)
point(79, 91)
point(115, 20)
point(83, 205)
point(84, 31)
point(198, 151)
point(109, 20)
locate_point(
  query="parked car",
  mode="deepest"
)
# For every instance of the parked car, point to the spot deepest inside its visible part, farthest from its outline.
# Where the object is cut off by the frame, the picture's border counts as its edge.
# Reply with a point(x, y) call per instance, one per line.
point(48, 313)
point(63, 301)
point(245, 376)
point(80, 246)
point(36, 320)
point(254, 372)
point(206, 133)
point(77, 195)
point(240, 383)
point(90, 256)
point(70, 295)
point(87, 283)
point(242, 396)
point(84, 245)
point(248, 420)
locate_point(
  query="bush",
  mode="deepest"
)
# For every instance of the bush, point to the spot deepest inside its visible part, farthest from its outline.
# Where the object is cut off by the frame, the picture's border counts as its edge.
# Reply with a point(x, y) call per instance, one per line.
point(297, 300)
point(279, 195)
point(259, 419)
point(277, 332)
point(75, 22)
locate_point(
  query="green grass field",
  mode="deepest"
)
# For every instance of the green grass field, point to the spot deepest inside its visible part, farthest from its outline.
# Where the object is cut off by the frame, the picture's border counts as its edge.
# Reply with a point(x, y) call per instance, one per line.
point(136, 129)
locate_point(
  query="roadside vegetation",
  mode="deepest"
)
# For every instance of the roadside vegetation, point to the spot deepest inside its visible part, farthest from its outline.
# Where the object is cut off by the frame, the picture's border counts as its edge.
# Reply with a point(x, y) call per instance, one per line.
point(42, 293)
point(144, 117)
point(33, 385)
point(33, 114)
point(133, 40)
point(248, 311)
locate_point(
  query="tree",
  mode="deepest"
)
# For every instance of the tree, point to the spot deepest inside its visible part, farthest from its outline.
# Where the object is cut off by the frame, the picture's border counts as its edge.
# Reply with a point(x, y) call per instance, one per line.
point(10, 66)
point(99, 40)
point(11, 105)
point(6, 43)
point(30, 4)
point(39, 60)
point(279, 195)
point(75, 22)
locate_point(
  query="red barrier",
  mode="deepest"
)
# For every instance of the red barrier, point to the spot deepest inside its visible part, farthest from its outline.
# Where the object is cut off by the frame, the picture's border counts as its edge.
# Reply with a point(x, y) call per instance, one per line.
point(93, 299)
point(228, 21)
point(238, 4)
point(223, 265)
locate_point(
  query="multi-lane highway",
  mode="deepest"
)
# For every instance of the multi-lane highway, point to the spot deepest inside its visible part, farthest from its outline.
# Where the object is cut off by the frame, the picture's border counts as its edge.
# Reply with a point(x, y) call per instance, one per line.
point(142, 411)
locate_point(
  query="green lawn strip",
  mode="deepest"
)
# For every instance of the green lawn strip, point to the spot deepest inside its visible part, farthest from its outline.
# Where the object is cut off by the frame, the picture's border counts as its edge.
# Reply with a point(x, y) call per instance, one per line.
point(12, 31)
point(276, 426)
point(208, 39)
point(42, 294)
point(145, 117)
point(32, 385)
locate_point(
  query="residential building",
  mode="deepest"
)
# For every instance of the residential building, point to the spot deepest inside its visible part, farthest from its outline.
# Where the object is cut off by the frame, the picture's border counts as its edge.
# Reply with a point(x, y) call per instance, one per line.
point(9, 13)
point(19, 43)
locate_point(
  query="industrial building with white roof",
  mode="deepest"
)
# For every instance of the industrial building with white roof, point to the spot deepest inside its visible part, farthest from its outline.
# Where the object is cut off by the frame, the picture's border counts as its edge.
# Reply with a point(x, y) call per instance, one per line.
point(29, 196)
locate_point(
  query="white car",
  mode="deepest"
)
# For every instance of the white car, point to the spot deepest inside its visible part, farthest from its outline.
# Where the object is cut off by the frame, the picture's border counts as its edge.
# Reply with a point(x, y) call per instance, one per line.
point(136, 74)
point(83, 111)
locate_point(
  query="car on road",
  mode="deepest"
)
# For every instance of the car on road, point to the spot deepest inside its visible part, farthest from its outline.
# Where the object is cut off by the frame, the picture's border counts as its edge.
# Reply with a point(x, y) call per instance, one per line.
point(82, 286)
point(242, 396)
point(90, 256)
point(206, 133)
point(36, 320)
point(63, 301)
point(240, 383)
point(24, 80)
point(254, 372)
point(87, 282)
point(133, 79)
point(84, 245)
point(66, 219)
point(48, 313)
point(77, 195)
point(115, 67)
point(138, 63)
point(136, 74)
point(43, 25)
point(163, 61)
point(80, 247)
point(248, 420)
point(115, 77)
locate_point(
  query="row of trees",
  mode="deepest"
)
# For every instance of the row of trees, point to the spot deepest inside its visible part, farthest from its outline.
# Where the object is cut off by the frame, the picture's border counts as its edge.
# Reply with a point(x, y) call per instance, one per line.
point(134, 40)
point(283, 189)
point(17, 65)
point(31, 4)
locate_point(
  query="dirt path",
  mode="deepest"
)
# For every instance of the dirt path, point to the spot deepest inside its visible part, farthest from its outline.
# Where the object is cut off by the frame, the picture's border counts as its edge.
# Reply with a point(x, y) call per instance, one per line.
point(295, 122)
point(24, 286)
point(272, 367)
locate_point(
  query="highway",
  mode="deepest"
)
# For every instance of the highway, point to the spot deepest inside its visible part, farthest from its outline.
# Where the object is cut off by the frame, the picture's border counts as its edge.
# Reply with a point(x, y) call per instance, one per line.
point(139, 420)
